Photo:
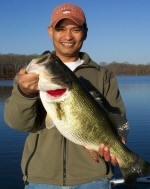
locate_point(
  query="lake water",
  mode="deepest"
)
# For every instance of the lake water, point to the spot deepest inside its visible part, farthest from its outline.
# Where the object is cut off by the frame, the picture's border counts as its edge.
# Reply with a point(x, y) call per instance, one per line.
point(135, 92)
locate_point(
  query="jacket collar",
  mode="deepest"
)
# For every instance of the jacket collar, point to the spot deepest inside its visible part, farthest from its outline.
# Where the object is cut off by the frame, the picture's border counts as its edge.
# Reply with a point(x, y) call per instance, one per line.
point(88, 62)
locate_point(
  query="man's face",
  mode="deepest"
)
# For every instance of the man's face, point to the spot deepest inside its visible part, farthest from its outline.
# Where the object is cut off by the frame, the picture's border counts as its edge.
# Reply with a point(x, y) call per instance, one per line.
point(67, 39)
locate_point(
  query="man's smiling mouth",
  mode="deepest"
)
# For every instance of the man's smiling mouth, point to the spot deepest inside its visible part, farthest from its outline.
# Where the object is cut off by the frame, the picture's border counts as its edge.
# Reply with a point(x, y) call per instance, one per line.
point(67, 44)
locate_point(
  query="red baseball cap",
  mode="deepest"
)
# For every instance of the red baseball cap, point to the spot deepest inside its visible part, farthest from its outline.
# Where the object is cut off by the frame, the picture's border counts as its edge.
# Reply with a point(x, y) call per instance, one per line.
point(69, 11)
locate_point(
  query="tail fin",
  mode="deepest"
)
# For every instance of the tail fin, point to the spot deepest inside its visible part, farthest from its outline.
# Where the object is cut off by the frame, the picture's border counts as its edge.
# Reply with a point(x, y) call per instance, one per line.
point(135, 169)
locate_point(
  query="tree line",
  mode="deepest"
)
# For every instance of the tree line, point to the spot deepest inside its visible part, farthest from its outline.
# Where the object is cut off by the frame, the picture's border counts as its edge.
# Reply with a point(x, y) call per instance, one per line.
point(126, 69)
point(10, 64)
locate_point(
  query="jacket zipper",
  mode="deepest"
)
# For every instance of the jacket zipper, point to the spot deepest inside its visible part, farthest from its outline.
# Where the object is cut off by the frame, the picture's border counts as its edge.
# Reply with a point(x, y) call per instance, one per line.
point(29, 159)
point(64, 163)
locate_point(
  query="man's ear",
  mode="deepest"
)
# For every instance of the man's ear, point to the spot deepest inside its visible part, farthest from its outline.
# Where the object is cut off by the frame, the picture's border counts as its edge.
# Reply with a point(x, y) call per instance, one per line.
point(50, 32)
point(85, 34)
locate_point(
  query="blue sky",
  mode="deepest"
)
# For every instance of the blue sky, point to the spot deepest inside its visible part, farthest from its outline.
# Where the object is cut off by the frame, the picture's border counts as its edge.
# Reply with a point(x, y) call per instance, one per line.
point(119, 30)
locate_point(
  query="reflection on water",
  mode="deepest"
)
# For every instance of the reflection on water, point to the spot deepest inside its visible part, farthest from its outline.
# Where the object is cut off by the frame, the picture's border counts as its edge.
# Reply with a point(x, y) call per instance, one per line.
point(5, 92)
point(137, 101)
point(133, 80)
point(135, 92)
point(6, 82)
point(11, 146)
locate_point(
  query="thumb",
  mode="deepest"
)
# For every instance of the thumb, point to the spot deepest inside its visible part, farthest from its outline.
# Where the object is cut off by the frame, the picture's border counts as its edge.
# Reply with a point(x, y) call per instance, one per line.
point(22, 71)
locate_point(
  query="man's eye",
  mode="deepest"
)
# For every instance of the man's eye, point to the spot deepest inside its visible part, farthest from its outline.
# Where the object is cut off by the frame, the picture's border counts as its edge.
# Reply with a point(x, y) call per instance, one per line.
point(59, 29)
point(76, 29)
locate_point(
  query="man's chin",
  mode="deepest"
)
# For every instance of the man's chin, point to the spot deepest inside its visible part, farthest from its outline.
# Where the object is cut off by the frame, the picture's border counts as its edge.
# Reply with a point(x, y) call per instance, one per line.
point(70, 54)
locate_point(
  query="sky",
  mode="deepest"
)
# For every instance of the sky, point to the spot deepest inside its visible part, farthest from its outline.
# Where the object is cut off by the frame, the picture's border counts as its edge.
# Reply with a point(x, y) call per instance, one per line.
point(118, 30)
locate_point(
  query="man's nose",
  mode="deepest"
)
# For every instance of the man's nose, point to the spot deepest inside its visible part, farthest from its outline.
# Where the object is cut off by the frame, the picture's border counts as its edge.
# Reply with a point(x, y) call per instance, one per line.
point(68, 35)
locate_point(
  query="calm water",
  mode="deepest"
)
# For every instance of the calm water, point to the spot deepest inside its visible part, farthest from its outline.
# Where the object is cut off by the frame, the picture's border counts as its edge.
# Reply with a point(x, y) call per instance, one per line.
point(135, 92)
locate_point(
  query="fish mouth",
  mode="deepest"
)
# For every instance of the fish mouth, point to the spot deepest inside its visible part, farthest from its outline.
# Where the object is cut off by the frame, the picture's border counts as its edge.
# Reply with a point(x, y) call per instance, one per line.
point(56, 92)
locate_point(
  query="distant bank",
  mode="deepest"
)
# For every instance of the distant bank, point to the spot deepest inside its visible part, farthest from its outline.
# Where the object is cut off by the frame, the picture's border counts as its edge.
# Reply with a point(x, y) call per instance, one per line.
point(10, 64)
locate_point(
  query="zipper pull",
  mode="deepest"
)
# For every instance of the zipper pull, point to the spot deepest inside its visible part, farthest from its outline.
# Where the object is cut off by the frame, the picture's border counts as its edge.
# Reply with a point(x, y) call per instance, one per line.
point(26, 180)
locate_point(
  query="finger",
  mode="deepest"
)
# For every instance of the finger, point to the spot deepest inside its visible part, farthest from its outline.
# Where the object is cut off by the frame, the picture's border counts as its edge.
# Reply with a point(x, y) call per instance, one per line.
point(93, 154)
point(101, 150)
point(34, 86)
point(114, 160)
point(22, 71)
point(123, 140)
point(28, 78)
point(30, 84)
point(107, 156)
point(33, 77)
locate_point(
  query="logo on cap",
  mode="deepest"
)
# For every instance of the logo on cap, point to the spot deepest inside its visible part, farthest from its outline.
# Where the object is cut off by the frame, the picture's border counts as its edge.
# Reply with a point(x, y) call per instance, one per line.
point(66, 12)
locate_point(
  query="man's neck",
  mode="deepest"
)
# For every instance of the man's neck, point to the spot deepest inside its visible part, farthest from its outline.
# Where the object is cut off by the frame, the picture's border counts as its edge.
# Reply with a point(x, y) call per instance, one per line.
point(68, 58)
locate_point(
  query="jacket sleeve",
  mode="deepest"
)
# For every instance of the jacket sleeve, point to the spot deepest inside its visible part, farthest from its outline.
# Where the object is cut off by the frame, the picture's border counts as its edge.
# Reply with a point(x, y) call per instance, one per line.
point(24, 113)
point(114, 105)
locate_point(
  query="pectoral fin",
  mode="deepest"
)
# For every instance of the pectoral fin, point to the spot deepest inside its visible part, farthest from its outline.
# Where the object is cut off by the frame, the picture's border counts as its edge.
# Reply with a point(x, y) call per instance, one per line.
point(48, 122)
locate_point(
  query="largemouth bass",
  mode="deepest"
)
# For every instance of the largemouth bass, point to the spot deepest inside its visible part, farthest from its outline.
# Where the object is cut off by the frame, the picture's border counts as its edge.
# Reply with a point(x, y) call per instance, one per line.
point(78, 117)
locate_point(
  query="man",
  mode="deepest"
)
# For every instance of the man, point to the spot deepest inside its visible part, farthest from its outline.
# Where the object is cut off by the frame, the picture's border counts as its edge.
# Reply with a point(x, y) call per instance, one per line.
point(49, 160)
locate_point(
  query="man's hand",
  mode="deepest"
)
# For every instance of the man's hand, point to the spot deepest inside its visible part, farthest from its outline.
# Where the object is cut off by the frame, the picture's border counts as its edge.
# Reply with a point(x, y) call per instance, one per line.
point(28, 83)
point(105, 153)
